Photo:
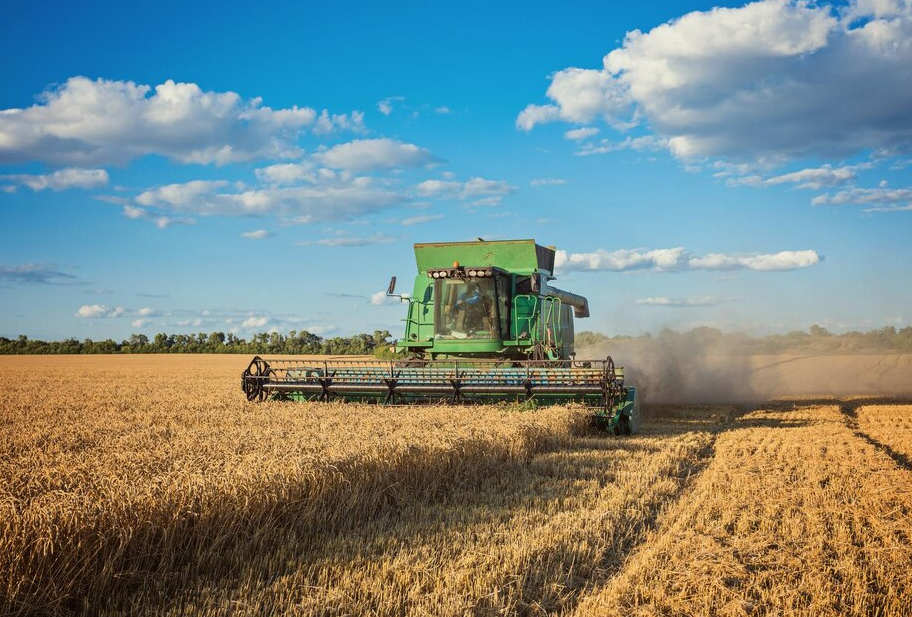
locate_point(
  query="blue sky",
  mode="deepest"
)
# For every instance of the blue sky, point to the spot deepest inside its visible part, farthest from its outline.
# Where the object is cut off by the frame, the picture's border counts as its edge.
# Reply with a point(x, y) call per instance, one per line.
point(211, 166)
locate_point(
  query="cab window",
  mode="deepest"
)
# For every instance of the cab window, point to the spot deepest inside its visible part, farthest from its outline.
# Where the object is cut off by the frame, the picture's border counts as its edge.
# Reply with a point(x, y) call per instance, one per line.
point(465, 309)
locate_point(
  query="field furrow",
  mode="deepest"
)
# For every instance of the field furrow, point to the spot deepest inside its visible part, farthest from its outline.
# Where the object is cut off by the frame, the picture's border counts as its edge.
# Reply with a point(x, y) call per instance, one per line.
point(149, 486)
point(529, 540)
point(795, 515)
point(890, 426)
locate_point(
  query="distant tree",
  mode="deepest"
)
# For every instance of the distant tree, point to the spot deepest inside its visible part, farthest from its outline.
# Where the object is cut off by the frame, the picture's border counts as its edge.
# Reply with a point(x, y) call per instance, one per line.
point(379, 342)
point(161, 342)
point(138, 341)
point(216, 341)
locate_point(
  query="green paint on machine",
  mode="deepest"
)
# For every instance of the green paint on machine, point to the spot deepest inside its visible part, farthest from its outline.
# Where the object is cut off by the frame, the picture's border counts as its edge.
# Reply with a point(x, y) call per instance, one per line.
point(483, 324)
point(489, 300)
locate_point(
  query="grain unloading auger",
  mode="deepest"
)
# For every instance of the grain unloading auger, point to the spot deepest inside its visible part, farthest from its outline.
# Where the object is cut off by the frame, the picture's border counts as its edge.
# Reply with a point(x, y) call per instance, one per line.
point(484, 324)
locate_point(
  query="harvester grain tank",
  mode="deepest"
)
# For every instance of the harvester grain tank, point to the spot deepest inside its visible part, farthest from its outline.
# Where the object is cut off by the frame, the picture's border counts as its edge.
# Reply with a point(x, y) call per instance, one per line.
point(484, 324)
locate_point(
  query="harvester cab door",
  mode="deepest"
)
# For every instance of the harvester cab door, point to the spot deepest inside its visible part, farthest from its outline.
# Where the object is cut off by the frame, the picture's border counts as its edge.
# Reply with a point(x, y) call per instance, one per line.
point(466, 309)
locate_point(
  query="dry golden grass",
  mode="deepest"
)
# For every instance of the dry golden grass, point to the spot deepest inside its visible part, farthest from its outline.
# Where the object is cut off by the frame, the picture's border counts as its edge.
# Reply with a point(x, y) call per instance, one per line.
point(130, 467)
point(890, 425)
point(794, 516)
point(147, 485)
point(527, 539)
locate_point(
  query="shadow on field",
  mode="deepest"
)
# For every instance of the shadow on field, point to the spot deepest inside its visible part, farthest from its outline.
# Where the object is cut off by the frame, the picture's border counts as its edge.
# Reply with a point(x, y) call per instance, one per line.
point(550, 483)
point(847, 406)
point(849, 409)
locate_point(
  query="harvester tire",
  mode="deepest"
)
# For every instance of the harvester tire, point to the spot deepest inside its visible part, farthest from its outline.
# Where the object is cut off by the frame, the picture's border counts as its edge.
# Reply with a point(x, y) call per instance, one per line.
point(633, 421)
point(623, 426)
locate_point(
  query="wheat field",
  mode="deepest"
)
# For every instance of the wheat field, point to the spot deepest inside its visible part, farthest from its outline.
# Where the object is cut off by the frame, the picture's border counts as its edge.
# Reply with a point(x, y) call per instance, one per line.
point(147, 485)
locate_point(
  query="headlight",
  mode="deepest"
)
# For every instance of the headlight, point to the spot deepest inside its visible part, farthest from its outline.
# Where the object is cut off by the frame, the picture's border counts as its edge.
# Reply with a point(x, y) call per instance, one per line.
point(443, 274)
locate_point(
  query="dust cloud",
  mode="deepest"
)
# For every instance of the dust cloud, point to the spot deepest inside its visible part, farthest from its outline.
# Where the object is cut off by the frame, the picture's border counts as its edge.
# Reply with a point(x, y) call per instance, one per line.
point(673, 368)
point(691, 369)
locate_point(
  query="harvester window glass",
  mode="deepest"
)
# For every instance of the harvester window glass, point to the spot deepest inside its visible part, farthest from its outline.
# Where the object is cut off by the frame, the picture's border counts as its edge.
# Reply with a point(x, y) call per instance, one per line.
point(466, 309)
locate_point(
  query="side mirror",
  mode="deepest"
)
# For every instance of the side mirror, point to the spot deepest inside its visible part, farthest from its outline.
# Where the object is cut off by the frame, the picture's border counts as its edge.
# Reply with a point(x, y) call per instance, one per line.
point(392, 287)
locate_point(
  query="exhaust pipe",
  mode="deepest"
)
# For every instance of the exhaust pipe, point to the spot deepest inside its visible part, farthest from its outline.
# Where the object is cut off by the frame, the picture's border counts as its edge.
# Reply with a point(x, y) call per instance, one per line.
point(579, 303)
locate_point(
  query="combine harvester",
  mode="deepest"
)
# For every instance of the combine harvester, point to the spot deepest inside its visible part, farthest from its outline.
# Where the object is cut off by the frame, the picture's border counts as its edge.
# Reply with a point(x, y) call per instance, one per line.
point(484, 325)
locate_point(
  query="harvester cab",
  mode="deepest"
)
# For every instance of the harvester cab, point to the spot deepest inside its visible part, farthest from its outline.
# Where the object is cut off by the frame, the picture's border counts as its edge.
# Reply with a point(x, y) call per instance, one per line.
point(484, 324)
point(489, 300)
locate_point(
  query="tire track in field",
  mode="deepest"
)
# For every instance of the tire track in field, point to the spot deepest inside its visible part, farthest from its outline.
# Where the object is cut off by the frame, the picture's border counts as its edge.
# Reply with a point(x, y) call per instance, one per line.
point(849, 410)
point(798, 358)
point(625, 545)
point(412, 540)
point(689, 479)
point(767, 530)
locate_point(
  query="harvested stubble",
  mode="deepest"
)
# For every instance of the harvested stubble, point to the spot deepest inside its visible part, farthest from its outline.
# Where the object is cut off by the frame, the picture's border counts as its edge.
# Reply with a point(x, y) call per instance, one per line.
point(127, 469)
point(890, 425)
point(796, 515)
point(147, 486)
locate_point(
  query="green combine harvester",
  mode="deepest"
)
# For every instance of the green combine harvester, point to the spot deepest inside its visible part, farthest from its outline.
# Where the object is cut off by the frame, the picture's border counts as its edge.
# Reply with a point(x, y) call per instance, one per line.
point(484, 325)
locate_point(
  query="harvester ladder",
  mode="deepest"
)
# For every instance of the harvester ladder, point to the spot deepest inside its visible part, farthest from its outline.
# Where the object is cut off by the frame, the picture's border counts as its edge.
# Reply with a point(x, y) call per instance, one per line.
point(530, 321)
point(543, 325)
point(553, 332)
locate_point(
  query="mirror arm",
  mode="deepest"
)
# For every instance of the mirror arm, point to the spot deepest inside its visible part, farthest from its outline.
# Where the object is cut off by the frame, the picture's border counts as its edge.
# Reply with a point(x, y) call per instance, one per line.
point(391, 290)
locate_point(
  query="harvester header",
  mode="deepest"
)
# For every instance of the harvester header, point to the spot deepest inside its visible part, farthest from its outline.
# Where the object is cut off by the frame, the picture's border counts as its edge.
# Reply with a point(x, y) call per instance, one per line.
point(484, 324)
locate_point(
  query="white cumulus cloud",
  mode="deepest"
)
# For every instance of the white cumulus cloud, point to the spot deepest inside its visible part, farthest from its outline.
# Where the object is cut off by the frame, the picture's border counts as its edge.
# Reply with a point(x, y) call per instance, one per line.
point(783, 260)
point(814, 178)
point(100, 121)
point(330, 123)
point(582, 133)
point(773, 78)
point(71, 177)
point(162, 221)
point(350, 241)
point(287, 173)
point(386, 106)
point(373, 154)
point(180, 195)
point(330, 197)
point(259, 234)
point(680, 259)
point(255, 321)
point(485, 192)
point(581, 95)
point(92, 311)
point(865, 196)
point(439, 188)
point(681, 302)
point(644, 143)
point(421, 219)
